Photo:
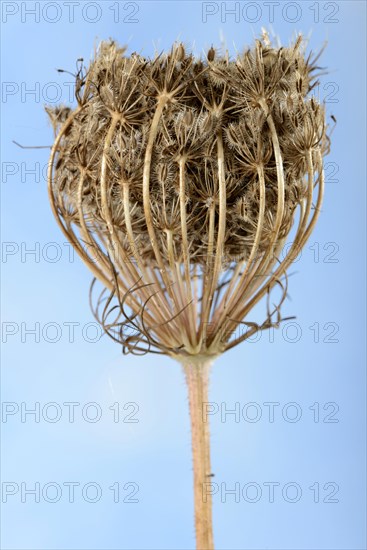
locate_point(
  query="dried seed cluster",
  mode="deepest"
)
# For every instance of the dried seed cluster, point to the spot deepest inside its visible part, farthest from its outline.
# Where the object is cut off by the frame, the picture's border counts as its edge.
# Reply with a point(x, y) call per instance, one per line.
point(180, 162)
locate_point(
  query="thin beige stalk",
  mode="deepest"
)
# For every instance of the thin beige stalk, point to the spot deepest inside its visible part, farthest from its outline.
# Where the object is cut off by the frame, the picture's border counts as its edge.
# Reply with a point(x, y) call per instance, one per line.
point(147, 275)
point(299, 241)
point(146, 192)
point(222, 310)
point(215, 272)
point(208, 269)
point(116, 249)
point(263, 270)
point(56, 206)
point(197, 369)
point(185, 252)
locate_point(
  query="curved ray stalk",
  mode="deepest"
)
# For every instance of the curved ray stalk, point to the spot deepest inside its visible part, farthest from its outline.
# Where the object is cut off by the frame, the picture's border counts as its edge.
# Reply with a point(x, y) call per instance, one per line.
point(185, 252)
point(149, 277)
point(146, 193)
point(69, 233)
point(215, 273)
point(298, 243)
point(268, 259)
point(222, 309)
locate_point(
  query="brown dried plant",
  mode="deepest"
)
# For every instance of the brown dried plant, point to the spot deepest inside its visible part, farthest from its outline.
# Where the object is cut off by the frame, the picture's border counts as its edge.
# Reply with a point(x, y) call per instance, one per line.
point(178, 180)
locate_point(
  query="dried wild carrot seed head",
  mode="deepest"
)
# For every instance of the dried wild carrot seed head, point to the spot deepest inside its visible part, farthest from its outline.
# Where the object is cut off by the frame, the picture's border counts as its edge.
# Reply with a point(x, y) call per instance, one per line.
point(178, 180)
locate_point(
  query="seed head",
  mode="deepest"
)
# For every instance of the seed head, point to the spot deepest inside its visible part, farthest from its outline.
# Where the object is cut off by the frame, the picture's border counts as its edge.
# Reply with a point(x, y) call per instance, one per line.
point(177, 180)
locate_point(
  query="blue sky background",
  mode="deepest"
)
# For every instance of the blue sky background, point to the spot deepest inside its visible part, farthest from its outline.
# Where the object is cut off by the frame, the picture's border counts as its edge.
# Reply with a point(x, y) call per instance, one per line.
point(322, 367)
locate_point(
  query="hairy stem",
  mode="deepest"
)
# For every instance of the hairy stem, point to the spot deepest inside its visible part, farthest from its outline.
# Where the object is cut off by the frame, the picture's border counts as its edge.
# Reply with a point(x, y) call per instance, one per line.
point(197, 378)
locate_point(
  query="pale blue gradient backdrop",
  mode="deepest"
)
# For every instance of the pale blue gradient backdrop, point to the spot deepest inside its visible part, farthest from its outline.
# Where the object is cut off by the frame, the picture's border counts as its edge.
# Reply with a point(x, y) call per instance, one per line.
point(155, 452)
